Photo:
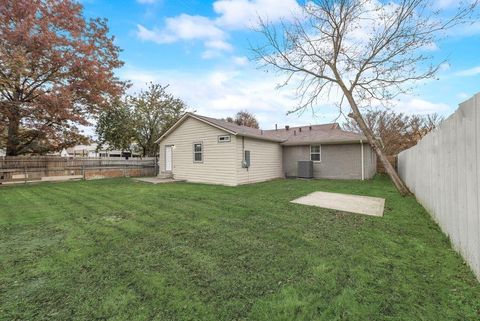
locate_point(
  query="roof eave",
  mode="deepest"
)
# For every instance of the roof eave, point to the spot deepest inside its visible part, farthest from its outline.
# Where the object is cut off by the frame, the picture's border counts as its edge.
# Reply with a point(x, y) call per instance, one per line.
point(271, 139)
point(325, 142)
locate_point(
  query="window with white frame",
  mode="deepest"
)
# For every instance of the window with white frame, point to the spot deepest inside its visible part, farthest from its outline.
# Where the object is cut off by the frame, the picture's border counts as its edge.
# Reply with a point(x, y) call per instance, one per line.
point(197, 152)
point(316, 153)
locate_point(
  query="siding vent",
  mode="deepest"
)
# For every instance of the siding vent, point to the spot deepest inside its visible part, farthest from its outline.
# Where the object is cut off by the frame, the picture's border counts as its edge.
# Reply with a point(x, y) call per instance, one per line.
point(223, 138)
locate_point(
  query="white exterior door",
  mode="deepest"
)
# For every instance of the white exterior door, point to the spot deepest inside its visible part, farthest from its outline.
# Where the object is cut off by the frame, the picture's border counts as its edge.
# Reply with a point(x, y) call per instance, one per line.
point(168, 158)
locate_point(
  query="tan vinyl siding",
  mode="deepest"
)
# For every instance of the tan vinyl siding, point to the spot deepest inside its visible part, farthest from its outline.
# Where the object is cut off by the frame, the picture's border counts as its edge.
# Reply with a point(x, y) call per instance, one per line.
point(218, 165)
point(265, 160)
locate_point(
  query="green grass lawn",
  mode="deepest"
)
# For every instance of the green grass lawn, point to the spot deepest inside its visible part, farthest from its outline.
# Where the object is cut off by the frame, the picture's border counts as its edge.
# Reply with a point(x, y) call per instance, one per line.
point(124, 250)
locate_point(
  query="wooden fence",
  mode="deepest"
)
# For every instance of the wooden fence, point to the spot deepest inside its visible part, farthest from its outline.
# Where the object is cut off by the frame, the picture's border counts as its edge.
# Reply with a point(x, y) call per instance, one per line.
point(443, 171)
point(49, 168)
point(391, 159)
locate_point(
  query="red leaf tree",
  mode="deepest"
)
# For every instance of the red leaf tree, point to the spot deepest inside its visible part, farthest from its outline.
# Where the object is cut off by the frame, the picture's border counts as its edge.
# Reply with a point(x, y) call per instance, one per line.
point(56, 73)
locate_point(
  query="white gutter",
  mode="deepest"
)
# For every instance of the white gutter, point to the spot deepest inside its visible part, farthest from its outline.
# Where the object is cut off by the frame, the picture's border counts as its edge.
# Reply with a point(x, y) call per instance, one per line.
point(363, 166)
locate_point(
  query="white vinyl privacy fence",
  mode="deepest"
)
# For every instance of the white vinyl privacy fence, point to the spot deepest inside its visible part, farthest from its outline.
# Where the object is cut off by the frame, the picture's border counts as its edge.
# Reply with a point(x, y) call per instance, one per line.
point(442, 170)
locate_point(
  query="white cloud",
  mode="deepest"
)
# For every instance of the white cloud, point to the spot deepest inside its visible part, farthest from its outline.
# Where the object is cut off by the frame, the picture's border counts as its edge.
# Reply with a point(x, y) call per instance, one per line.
point(463, 30)
point(449, 4)
point(218, 44)
point(444, 66)
point(149, 35)
point(214, 49)
point(463, 96)
point(469, 72)
point(239, 14)
point(413, 105)
point(430, 47)
point(232, 14)
point(210, 54)
point(189, 28)
point(445, 3)
point(186, 28)
point(221, 93)
point(240, 60)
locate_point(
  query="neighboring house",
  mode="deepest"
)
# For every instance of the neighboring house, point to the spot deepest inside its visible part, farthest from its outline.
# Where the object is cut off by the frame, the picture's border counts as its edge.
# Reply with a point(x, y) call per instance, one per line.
point(209, 150)
point(3, 152)
point(91, 151)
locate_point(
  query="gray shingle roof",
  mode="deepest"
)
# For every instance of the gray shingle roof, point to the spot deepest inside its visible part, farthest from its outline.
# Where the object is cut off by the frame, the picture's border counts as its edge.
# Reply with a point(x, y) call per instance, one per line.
point(302, 135)
point(324, 133)
point(241, 130)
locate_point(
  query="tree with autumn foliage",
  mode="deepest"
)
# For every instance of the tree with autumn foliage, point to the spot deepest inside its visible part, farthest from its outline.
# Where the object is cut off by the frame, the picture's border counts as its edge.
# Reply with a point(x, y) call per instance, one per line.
point(396, 131)
point(244, 118)
point(56, 73)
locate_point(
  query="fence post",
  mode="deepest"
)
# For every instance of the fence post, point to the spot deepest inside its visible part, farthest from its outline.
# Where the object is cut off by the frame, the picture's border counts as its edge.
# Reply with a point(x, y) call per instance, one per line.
point(124, 170)
point(25, 173)
point(83, 171)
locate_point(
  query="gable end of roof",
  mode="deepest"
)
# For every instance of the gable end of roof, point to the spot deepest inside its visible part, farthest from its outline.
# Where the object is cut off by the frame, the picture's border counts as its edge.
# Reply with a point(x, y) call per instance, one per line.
point(183, 118)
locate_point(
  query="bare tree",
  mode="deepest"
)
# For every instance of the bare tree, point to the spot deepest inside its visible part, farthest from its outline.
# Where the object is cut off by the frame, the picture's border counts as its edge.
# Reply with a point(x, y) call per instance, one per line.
point(396, 131)
point(367, 52)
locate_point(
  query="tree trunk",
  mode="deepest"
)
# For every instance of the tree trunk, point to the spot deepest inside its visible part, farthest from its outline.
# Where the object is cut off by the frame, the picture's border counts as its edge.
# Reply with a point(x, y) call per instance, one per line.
point(357, 116)
point(13, 139)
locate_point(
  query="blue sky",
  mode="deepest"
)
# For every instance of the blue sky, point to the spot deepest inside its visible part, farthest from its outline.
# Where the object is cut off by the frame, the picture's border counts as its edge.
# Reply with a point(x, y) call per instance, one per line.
point(201, 49)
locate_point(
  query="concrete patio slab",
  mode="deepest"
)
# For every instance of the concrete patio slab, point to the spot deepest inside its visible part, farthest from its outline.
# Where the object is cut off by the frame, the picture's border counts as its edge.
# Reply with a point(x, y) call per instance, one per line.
point(155, 180)
point(344, 202)
point(61, 178)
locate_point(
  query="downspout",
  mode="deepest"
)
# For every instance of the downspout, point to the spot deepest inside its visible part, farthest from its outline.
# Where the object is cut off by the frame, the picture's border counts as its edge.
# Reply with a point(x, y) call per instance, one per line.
point(363, 166)
point(243, 147)
point(243, 151)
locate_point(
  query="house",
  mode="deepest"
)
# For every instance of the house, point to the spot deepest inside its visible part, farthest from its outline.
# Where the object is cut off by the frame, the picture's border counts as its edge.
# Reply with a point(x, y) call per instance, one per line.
point(208, 150)
point(92, 151)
